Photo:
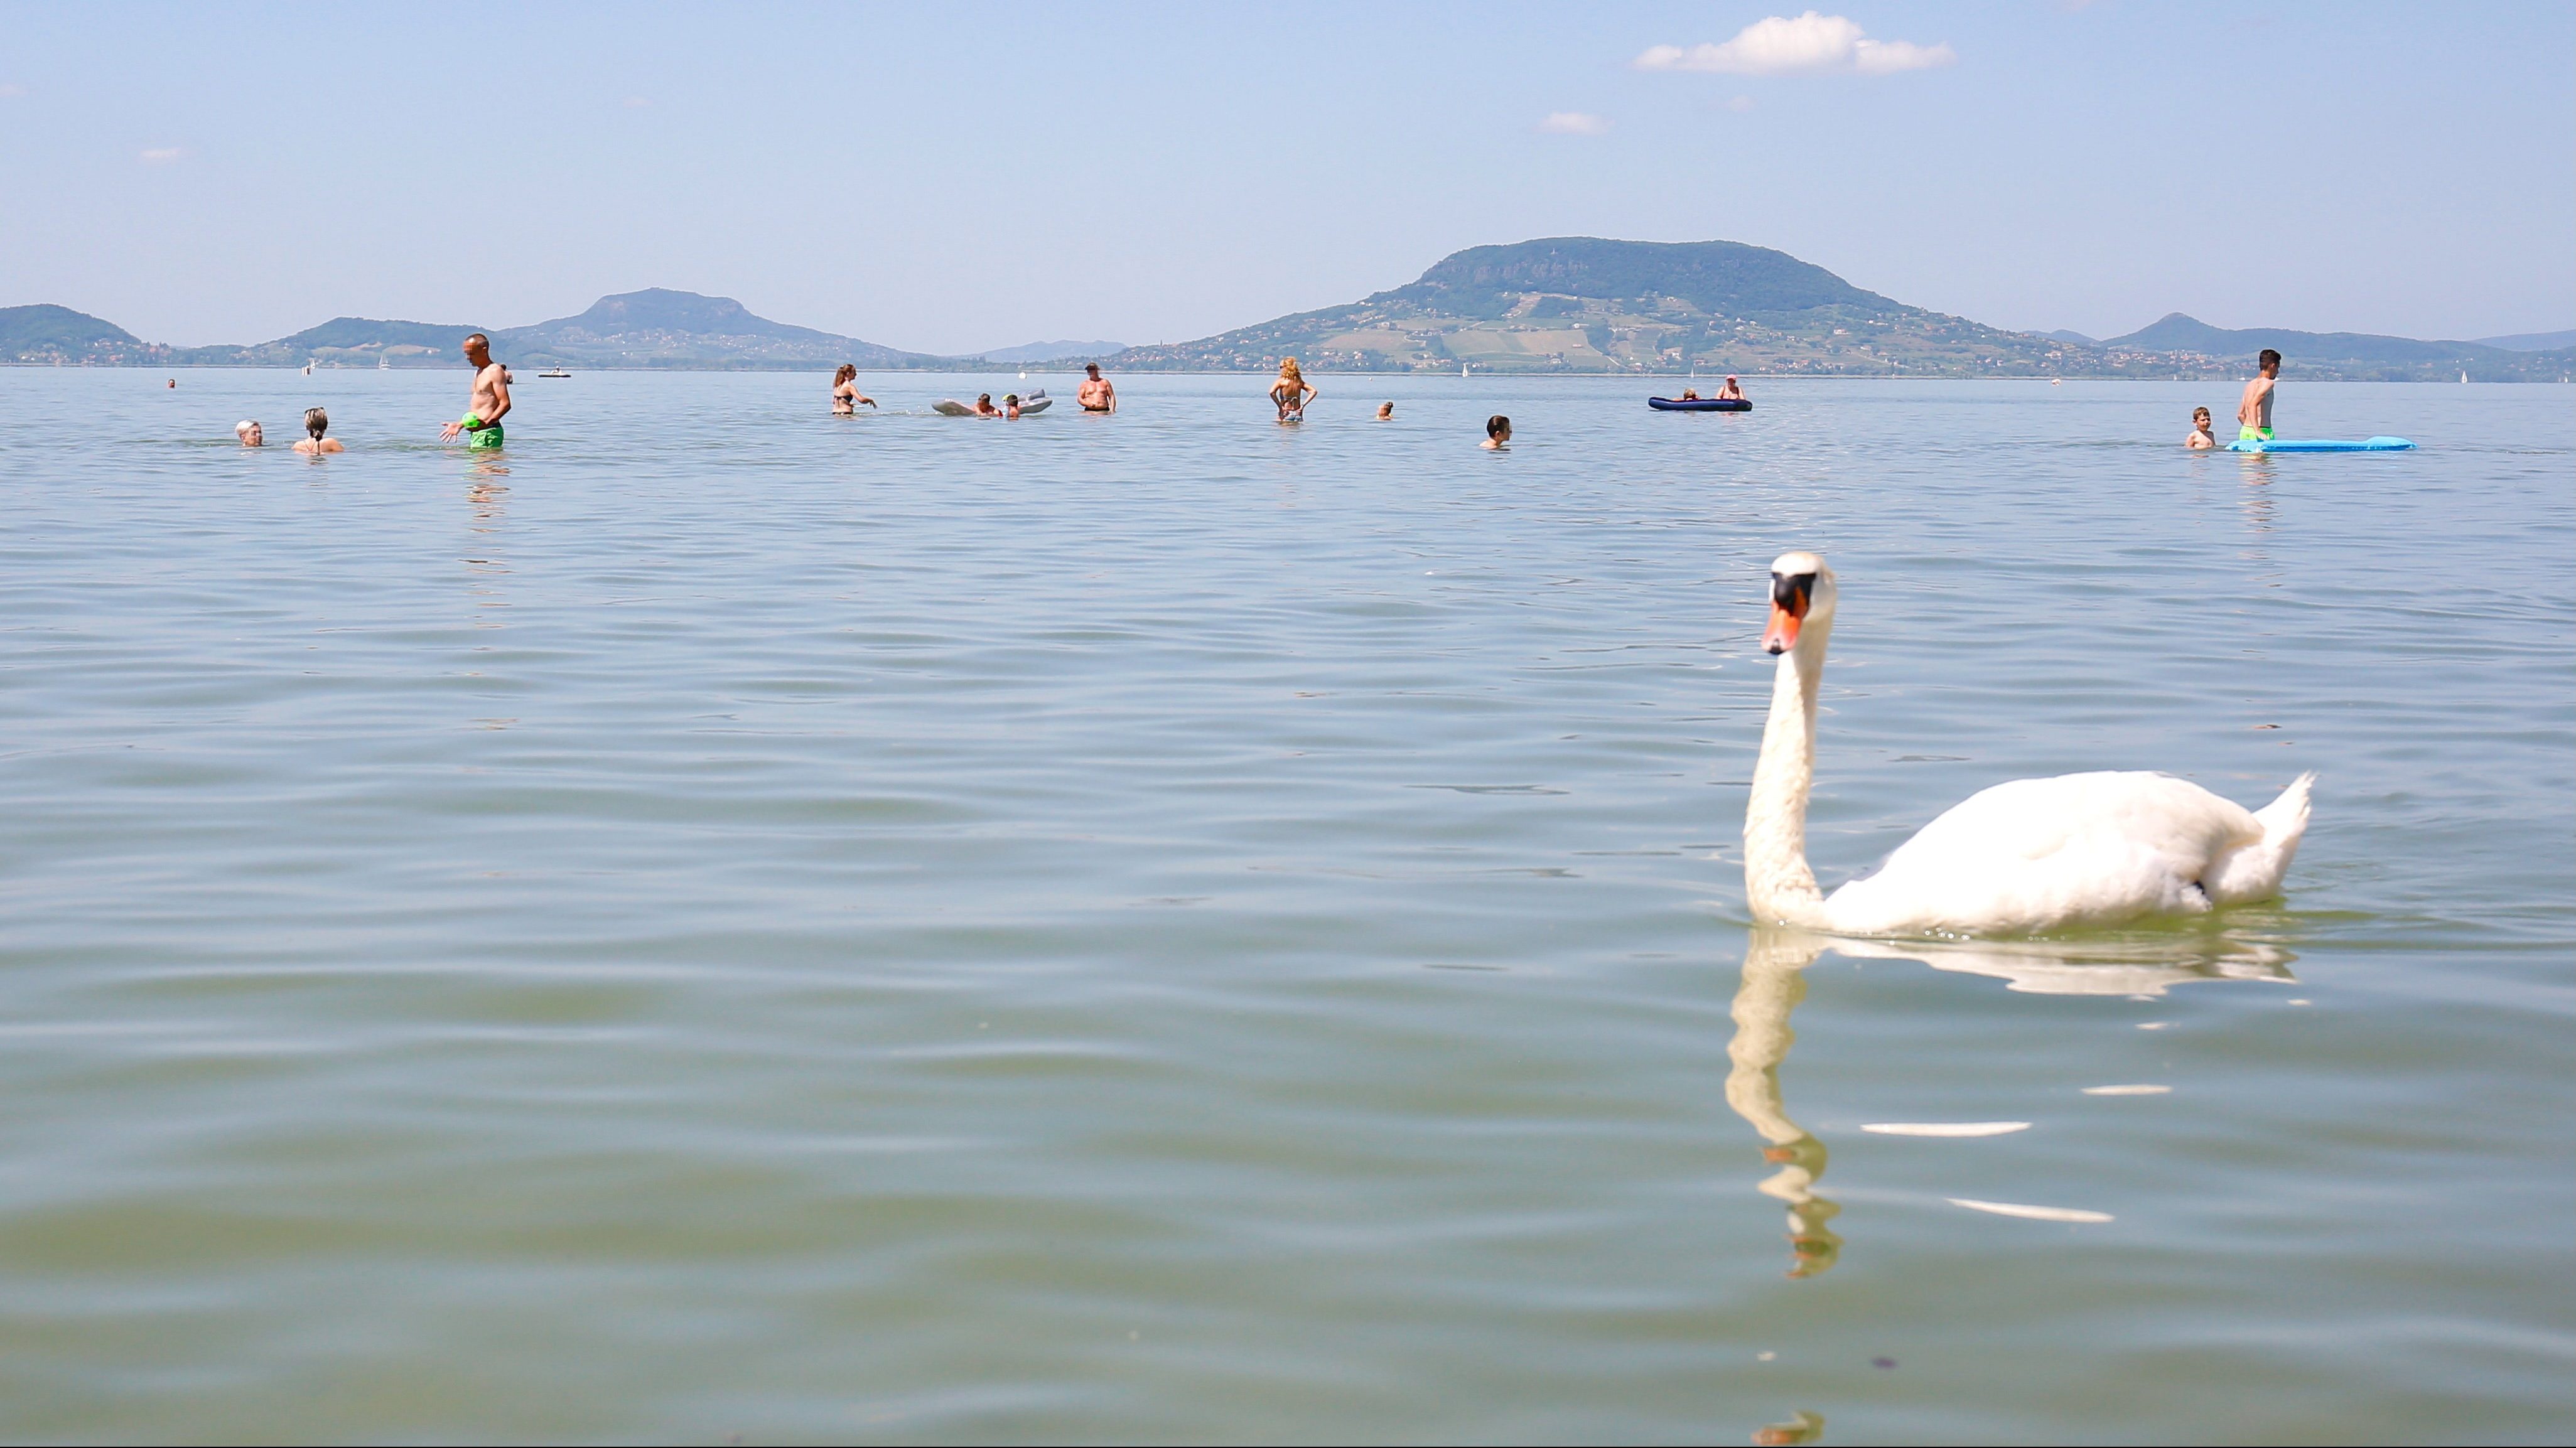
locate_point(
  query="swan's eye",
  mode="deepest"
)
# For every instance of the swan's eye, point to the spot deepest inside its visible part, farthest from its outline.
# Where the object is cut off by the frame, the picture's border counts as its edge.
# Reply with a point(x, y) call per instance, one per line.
point(1790, 592)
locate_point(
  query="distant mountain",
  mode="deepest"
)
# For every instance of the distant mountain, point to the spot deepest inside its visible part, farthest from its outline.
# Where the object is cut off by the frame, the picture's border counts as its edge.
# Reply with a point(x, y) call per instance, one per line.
point(58, 336)
point(658, 328)
point(2531, 341)
point(1054, 352)
point(2078, 338)
point(653, 328)
point(1585, 304)
point(2354, 356)
point(347, 342)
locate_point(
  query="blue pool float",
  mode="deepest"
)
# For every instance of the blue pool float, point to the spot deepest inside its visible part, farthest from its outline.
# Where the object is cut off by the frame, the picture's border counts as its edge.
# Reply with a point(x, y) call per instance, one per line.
point(2323, 444)
point(1699, 404)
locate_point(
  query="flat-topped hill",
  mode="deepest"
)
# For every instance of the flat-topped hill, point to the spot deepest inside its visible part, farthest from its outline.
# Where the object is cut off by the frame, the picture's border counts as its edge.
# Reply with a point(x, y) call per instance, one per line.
point(1588, 304)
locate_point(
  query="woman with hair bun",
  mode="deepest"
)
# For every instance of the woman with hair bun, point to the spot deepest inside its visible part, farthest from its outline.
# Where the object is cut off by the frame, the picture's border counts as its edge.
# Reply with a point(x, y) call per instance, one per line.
point(318, 422)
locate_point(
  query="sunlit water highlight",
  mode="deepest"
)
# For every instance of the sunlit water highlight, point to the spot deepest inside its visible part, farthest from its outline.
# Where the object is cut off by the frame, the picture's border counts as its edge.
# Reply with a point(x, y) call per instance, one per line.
point(732, 921)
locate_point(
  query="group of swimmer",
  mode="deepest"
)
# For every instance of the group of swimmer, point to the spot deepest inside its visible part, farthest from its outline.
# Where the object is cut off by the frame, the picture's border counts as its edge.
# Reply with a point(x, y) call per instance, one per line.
point(2253, 410)
point(489, 401)
point(1728, 393)
point(485, 405)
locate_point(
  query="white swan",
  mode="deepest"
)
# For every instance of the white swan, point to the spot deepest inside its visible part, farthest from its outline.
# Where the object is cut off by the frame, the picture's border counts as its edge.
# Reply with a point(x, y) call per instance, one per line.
point(2032, 854)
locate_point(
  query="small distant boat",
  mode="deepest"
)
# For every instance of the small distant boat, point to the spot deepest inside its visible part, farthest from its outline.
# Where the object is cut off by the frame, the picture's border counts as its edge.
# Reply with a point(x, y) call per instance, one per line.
point(1700, 404)
point(384, 364)
point(308, 369)
point(555, 372)
point(2464, 379)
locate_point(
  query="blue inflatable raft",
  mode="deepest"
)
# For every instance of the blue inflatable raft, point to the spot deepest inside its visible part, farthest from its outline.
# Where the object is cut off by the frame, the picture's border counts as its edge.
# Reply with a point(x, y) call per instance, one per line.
point(2322, 444)
point(1699, 404)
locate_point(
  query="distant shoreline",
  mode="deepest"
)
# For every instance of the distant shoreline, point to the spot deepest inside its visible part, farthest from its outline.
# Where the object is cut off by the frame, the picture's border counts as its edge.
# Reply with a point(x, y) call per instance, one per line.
point(1656, 378)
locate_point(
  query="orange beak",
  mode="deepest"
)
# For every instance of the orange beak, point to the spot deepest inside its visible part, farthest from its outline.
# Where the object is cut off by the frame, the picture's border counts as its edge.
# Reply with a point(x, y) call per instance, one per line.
point(1782, 635)
point(1789, 599)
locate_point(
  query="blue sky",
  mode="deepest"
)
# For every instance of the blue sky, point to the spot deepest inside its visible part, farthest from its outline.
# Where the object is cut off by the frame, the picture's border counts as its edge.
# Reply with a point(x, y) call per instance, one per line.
point(952, 179)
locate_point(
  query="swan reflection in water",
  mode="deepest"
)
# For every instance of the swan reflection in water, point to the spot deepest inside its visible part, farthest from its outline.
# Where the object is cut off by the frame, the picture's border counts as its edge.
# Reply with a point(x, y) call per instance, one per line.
point(1774, 981)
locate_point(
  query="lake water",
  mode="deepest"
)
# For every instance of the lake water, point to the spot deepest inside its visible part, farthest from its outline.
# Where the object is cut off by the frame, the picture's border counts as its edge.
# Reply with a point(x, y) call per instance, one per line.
point(730, 921)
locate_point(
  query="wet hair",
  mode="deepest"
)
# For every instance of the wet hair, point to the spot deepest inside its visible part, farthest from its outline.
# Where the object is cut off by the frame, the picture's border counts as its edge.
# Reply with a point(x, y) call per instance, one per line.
point(983, 397)
point(2269, 358)
point(1497, 425)
point(316, 421)
point(1386, 409)
point(845, 374)
point(1012, 398)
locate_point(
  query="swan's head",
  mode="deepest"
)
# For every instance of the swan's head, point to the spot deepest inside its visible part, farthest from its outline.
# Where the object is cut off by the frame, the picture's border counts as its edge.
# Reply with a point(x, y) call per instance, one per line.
point(1802, 593)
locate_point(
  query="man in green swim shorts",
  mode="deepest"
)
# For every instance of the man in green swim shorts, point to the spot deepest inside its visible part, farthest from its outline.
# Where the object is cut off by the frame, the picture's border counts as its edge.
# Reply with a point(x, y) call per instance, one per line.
point(2254, 412)
point(481, 423)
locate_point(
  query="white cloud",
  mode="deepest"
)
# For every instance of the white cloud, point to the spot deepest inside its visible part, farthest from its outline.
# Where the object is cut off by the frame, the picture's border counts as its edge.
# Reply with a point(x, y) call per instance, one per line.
point(163, 155)
point(1574, 123)
point(1812, 44)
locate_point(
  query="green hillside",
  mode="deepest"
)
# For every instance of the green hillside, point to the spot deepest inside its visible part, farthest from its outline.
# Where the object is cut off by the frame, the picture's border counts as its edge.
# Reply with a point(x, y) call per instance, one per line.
point(2352, 356)
point(49, 335)
point(660, 328)
point(1583, 304)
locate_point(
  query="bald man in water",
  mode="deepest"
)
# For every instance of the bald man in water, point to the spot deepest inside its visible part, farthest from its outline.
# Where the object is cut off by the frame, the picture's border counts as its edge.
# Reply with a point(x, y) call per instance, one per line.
point(490, 401)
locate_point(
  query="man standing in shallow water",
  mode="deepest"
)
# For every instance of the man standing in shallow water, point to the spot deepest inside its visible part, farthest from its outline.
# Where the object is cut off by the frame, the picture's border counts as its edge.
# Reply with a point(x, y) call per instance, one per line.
point(1095, 394)
point(490, 402)
point(2254, 412)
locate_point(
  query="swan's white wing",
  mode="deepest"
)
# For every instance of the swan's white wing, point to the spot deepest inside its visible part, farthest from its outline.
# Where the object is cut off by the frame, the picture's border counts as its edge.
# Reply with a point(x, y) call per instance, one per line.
point(2033, 854)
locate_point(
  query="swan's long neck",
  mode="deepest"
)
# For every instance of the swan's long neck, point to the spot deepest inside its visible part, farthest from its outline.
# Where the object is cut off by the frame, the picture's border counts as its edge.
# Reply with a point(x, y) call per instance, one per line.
point(1778, 886)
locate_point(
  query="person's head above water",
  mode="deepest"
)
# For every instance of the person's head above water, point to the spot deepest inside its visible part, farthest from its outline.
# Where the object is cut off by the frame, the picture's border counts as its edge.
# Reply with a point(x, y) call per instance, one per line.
point(1288, 370)
point(316, 421)
point(248, 431)
point(1498, 428)
point(2200, 416)
point(983, 399)
point(845, 374)
point(2268, 361)
point(1385, 411)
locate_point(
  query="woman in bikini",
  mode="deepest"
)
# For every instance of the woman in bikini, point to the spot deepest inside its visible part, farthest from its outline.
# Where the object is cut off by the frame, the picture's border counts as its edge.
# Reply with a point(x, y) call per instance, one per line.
point(1291, 392)
point(846, 395)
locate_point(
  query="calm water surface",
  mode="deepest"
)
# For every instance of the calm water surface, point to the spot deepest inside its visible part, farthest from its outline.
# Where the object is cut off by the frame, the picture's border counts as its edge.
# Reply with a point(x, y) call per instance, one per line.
point(732, 921)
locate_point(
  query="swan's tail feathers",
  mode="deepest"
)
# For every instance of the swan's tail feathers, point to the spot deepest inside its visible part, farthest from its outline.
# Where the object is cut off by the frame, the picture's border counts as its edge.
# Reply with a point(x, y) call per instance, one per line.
point(2286, 819)
point(2254, 871)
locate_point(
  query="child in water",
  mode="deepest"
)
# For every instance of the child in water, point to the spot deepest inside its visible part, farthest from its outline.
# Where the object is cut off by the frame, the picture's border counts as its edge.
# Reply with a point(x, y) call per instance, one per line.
point(2201, 436)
